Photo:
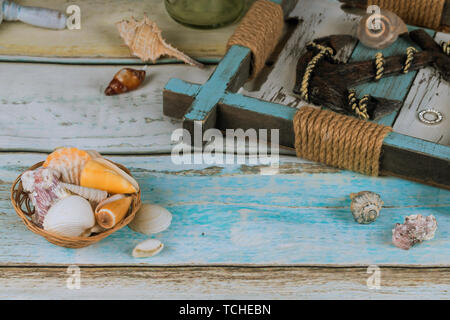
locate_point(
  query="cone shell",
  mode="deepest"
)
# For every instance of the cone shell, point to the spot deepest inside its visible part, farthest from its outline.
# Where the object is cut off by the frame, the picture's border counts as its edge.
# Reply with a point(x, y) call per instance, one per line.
point(151, 219)
point(148, 248)
point(69, 162)
point(146, 42)
point(127, 79)
point(112, 210)
point(104, 175)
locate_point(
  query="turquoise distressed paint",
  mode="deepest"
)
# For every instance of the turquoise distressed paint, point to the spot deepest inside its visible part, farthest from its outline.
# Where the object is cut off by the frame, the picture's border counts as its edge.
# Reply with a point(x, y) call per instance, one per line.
point(234, 216)
point(393, 87)
point(213, 90)
point(259, 106)
point(417, 145)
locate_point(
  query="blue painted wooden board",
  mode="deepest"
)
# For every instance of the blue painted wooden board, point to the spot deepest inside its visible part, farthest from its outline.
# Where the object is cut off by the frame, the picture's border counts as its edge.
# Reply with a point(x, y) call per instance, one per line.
point(234, 215)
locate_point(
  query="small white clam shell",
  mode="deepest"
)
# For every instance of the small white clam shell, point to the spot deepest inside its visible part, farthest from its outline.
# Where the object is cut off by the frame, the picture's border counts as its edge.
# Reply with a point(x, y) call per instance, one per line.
point(151, 219)
point(70, 217)
point(148, 248)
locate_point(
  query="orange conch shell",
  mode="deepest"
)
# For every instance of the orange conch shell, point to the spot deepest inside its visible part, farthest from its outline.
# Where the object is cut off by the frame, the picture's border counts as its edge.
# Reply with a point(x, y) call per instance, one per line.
point(127, 79)
point(69, 162)
point(146, 42)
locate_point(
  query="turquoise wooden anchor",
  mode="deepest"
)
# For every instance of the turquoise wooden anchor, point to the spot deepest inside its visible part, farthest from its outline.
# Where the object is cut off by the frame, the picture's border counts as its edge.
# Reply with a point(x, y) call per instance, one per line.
point(216, 104)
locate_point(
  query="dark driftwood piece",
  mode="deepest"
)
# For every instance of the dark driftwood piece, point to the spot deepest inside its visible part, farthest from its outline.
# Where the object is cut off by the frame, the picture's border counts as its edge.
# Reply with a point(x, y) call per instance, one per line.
point(331, 81)
point(360, 6)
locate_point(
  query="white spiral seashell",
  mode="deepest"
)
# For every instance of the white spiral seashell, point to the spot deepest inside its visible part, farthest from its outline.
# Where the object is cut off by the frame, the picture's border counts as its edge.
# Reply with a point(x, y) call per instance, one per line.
point(147, 248)
point(365, 206)
point(70, 217)
point(151, 219)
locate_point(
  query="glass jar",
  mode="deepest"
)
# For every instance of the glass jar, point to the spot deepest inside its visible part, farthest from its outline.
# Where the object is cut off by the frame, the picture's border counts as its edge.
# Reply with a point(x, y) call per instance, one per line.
point(206, 14)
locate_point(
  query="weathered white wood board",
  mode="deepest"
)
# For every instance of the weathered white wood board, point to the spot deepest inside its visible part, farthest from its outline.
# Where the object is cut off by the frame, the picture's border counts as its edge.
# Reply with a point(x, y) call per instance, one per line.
point(234, 215)
point(224, 283)
point(428, 91)
point(98, 38)
point(68, 100)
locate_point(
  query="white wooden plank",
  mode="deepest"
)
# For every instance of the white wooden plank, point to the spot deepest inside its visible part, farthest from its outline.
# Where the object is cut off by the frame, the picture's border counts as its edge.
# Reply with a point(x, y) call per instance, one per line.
point(428, 91)
point(43, 106)
point(224, 283)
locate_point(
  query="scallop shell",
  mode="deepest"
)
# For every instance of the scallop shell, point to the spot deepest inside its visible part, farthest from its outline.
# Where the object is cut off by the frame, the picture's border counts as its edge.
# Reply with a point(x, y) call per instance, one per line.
point(151, 219)
point(126, 79)
point(148, 248)
point(44, 189)
point(93, 195)
point(365, 206)
point(69, 162)
point(416, 229)
point(70, 217)
point(391, 26)
point(112, 210)
point(146, 42)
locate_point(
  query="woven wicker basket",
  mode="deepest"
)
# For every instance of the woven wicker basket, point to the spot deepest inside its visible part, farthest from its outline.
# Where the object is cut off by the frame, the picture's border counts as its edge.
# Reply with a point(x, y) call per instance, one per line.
point(22, 205)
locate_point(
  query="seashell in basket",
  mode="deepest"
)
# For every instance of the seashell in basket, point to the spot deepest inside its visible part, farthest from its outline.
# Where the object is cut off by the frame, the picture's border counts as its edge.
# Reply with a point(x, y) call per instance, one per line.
point(24, 209)
point(93, 195)
point(112, 210)
point(44, 189)
point(70, 217)
point(68, 162)
point(102, 174)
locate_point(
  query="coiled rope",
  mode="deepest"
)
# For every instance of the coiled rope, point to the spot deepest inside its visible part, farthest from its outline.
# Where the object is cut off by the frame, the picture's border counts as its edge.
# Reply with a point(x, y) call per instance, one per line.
point(338, 140)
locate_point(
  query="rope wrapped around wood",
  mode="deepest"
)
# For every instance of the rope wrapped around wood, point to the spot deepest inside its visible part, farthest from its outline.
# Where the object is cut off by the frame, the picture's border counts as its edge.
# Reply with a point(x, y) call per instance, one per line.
point(426, 13)
point(338, 140)
point(259, 30)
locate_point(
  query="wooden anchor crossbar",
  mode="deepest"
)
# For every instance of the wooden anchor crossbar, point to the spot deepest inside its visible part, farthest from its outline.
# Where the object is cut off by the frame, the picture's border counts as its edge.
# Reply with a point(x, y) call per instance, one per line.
point(216, 104)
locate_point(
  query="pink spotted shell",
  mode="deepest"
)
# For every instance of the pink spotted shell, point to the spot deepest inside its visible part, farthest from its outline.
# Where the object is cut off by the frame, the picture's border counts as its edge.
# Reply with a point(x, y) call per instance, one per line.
point(44, 189)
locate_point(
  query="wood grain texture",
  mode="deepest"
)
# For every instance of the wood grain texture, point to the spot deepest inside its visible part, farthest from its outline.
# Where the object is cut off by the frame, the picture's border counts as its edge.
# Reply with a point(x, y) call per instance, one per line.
point(98, 39)
point(428, 91)
point(224, 283)
point(299, 216)
point(70, 101)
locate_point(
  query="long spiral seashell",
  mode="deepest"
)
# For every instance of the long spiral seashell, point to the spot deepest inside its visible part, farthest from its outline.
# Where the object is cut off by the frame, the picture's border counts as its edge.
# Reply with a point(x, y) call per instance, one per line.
point(91, 194)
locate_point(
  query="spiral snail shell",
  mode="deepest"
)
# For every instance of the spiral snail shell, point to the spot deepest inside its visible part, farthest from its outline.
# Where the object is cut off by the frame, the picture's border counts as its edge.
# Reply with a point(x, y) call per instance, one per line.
point(365, 206)
point(379, 31)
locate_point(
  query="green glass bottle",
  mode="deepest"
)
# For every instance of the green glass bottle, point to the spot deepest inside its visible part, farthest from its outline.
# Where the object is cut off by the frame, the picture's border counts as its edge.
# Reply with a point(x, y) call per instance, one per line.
point(206, 14)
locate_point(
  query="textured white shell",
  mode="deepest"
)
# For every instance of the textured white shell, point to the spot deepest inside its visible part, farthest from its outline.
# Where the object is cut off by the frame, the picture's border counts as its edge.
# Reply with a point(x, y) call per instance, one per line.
point(415, 229)
point(148, 248)
point(151, 219)
point(93, 195)
point(70, 217)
